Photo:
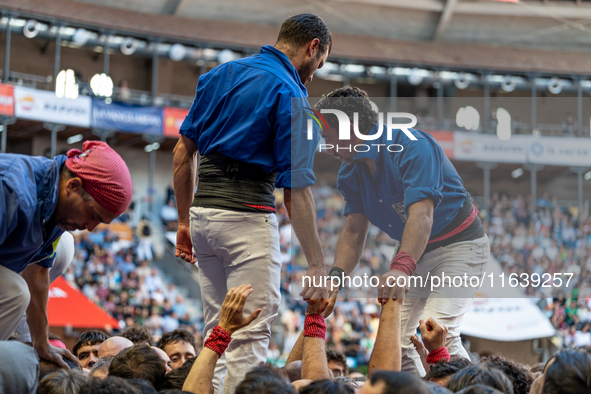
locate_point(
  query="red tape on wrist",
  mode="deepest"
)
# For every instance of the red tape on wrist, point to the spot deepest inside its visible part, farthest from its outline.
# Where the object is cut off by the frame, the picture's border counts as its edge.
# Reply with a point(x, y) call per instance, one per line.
point(314, 326)
point(218, 340)
point(439, 354)
point(403, 262)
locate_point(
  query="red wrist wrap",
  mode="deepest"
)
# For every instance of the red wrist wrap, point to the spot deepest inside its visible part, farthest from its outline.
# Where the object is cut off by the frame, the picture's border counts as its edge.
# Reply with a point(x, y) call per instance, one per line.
point(439, 354)
point(314, 326)
point(403, 262)
point(218, 340)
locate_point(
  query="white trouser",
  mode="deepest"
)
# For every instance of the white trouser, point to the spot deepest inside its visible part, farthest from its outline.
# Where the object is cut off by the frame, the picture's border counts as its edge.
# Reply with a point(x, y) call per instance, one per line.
point(234, 248)
point(444, 304)
point(64, 253)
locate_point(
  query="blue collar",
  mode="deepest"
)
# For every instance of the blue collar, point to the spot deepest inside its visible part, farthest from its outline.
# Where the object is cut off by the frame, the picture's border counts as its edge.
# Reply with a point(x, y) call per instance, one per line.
point(373, 152)
point(268, 49)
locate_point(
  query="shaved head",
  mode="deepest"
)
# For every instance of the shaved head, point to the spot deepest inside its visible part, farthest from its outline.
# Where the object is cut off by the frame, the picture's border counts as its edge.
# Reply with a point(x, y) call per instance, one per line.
point(113, 345)
point(164, 357)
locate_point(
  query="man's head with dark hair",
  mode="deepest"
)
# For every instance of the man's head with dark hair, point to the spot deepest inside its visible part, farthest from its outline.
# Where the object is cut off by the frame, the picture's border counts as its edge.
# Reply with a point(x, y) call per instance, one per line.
point(517, 373)
point(479, 389)
point(327, 386)
point(46, 367)
point(480, 374)
point(337, 363)
point(101, 368)
point(139, 335)
point(62, 382)
point(306, 41)
point(390, 382)
point(143, 386)
point(138, 362)
point(108, 385)
point(442, 371)
point(434, 388)
point(176, 378)
point(87, 345)
point(264, 380)
point(568, 373)
point(179, 345)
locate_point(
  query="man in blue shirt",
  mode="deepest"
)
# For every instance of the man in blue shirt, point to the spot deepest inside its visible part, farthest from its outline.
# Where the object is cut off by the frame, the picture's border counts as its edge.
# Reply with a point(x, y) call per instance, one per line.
point(241, 125)
point(41, 198)
point(403, 183)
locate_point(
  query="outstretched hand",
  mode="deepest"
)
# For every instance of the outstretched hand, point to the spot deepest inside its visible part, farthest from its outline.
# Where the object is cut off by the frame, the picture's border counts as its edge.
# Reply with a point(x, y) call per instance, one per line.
point(232, 313)
point(184, 246)
point(55, 354)
point(433, 333)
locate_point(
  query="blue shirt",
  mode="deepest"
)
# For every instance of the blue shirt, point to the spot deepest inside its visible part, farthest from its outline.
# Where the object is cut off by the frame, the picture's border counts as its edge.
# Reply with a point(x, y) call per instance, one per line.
point(243, 110)
point(420, 171)
point(28, 198)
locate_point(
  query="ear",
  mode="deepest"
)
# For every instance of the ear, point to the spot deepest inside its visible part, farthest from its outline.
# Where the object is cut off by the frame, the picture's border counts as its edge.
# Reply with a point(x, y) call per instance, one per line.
point(75, 185)
point(313, 47)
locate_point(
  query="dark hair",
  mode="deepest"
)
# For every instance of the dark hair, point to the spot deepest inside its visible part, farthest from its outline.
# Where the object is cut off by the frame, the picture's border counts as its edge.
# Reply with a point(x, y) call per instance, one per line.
point(446, 368)
point(300, 29)
point(102, 364)
point(143, 386)
point(521, 378)
point(264, 380)
point(62, 382)
point(174, 391)
point(336, 356)
point(137, 335)
point(327, 386)
point(569, 373)
point(139, 362)
point(176, 336)
point(479, 389)
point(46, 367)
point(435, 388)
point(108, 385)
point(480, 374)
point(89, 338)
point(176, 378)
point(349, 100)
point(399, 382)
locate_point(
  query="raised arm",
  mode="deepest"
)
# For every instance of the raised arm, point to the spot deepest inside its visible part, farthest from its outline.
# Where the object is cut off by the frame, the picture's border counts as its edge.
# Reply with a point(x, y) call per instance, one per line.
point(183, 153)
point(387, 351)
point(314, 363)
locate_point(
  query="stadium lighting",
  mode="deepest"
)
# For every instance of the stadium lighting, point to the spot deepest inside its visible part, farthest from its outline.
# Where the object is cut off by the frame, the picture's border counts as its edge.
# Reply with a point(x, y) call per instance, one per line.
point(80, 37)
point(587, 176)
point(503, 124)
point(101, 85)
point(75, 138)
point(415, 77)
point(226, 55)
point(517, 173)
point(65, 84)
point(509, 83)
point(468, 118)
point(177, 52)
point(128, 46)
point(31, 28)
point(152, 147)
point(462, 81)
point(555, 85)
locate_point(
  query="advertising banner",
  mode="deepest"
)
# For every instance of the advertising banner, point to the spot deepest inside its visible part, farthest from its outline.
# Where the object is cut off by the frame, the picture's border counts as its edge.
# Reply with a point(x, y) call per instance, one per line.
point(127, 118)
point(562, 151)
point(47, 107)
point(445, 139)
point(173, 119)
point(6, 99)
point(488, 147)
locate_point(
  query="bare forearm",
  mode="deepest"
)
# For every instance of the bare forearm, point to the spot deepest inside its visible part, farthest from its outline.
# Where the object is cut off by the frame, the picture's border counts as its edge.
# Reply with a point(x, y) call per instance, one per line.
point(387, 351)
point(37, 279)
point(417, 229)
point(314, 364)
point(183, 179)
point(351, 242)
point(199, 379)
point(303, 221)
point(297, 352)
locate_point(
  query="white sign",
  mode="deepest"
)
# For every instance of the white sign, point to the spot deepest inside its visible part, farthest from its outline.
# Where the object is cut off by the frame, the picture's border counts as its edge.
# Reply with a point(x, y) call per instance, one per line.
point(487, 147)
point(560, 151)
point(45, 106)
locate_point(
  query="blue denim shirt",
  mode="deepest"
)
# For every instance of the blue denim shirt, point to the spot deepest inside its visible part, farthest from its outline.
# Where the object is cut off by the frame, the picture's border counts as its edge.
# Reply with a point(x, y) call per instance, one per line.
point(243, 110)
point(420, 171)
point(28, 198)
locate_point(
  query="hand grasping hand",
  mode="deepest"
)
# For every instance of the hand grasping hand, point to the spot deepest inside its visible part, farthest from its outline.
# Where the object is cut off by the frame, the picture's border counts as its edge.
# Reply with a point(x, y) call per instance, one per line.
point(434, 334)
point(232, 312)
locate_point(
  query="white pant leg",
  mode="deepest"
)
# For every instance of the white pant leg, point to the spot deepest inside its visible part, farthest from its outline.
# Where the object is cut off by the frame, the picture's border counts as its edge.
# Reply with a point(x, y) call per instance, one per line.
point(14, 300)
point(238, 248)
point(448, 305)
point(64, 253)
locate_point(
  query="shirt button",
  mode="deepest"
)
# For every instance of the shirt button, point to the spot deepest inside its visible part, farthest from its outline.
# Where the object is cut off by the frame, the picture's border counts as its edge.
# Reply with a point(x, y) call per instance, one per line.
point(389, 225)
point(380, 200)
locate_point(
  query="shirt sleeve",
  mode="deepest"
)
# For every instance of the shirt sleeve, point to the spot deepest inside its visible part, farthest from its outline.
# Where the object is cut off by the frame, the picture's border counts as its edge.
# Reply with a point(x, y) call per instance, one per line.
point(188, 127)
point(421, 168)
point(349, 186)
point(294, 149)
